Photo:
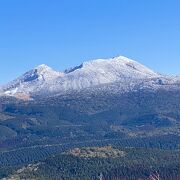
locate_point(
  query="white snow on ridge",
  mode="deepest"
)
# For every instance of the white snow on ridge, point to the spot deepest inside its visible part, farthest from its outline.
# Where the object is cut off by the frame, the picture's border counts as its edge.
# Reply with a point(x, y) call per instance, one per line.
point(32, 80)
point(103, 71)
point(117, 63)
point(43, 80)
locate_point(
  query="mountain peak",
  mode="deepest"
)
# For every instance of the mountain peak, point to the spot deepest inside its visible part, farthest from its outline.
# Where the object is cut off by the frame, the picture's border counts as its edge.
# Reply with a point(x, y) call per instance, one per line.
point(43, 66)
point(46, 71)
point(121, 60)
point(119, 64)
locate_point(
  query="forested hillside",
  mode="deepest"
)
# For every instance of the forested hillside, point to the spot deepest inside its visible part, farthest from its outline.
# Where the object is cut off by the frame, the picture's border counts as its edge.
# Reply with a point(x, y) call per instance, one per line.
point(106, 163)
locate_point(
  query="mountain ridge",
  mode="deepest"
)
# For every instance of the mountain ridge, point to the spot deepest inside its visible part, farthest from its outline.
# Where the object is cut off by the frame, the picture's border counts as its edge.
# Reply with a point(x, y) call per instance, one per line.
point(43, 80)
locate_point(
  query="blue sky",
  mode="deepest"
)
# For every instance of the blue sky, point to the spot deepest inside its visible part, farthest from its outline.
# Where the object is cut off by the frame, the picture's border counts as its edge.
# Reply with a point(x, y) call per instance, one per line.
point(63, 33)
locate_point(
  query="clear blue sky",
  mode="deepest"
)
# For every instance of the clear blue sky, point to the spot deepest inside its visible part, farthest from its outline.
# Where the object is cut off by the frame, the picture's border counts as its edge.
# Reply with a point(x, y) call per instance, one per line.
point(63, 33)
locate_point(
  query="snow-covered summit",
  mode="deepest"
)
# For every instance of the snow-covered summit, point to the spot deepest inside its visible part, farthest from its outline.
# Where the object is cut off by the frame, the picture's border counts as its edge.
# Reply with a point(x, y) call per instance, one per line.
point(43, 80)
point(40, 73)
point(45, 72)
point(31, 80)
point(120, 64)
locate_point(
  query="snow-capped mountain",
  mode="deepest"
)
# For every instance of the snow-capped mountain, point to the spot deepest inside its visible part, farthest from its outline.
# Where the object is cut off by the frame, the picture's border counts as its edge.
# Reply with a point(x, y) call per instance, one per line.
point(31, 81)
point(43, 80)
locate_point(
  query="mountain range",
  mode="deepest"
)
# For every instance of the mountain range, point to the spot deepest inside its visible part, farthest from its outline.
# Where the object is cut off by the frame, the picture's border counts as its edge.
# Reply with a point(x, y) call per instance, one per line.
point(43, 81)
